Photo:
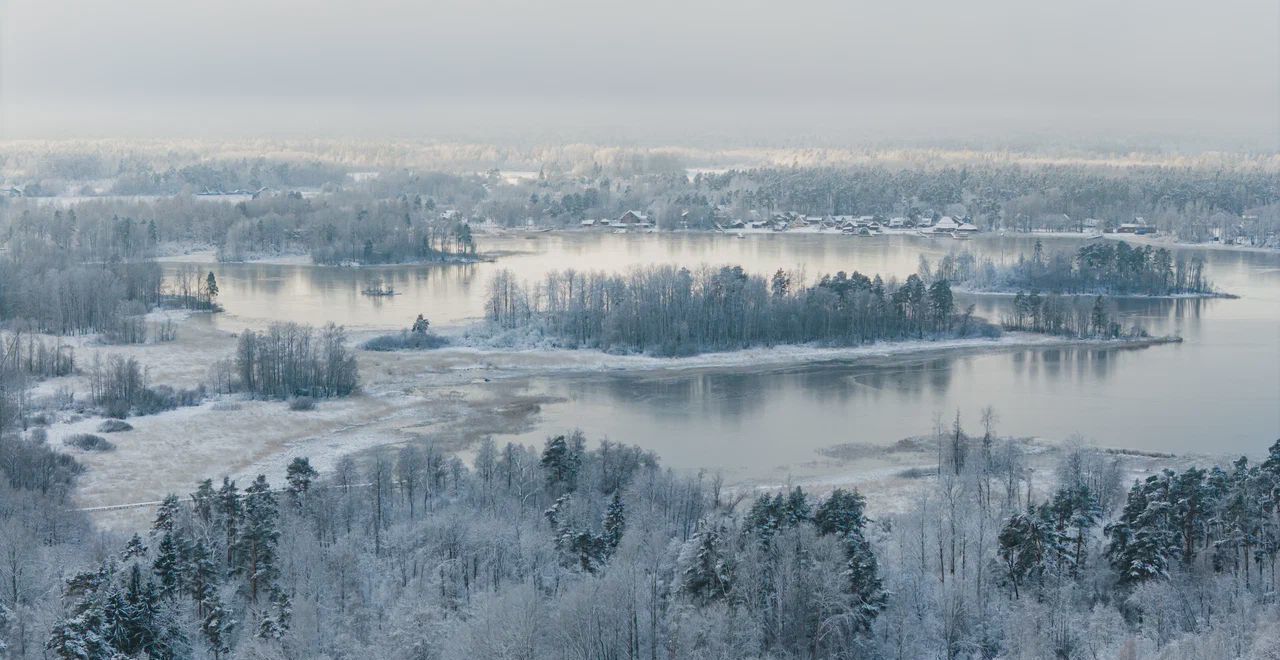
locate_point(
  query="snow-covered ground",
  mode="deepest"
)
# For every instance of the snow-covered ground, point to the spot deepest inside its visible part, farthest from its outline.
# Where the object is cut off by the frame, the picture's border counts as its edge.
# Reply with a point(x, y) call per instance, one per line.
point(551, 359)
point(451, 396)
point(209, 256)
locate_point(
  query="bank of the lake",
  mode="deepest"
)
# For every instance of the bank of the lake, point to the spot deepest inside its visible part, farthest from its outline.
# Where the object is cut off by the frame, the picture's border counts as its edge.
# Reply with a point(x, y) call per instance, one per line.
point(1221, 383)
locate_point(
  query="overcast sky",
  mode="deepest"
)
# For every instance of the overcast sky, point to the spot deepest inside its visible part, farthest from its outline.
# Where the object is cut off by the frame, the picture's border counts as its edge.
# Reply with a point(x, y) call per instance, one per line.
point(651, 71)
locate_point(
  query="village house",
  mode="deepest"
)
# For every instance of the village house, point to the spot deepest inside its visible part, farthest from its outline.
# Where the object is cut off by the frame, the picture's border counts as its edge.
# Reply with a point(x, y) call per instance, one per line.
point(634, 219)
point(946, 223)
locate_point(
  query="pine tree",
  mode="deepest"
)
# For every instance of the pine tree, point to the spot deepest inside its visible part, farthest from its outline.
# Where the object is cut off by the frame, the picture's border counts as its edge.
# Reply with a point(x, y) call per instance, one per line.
point(256, 545)
point(211, 288)
point(1272, 464)
point(560, 461)
point(1190, 495)
point(1075, 511)
point(1024, 542)
point(228, 509)
point(1143, 541)
point(202, 501)
point(1098, 317)
point(202, 583)
point(941, 304)
point(841, 514)
point(299, 475)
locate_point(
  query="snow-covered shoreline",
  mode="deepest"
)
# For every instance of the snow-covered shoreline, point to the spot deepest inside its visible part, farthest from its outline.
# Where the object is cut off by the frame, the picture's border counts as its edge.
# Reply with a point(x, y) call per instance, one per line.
point(561, 360)
point(1221, 295)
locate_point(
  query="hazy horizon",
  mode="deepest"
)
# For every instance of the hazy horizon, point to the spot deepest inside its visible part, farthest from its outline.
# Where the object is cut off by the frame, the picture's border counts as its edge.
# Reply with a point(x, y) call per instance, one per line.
point(822, 73)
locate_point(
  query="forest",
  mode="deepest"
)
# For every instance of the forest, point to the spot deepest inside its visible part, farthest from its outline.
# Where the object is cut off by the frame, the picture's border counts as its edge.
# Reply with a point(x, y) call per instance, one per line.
point(582, 552)
point(1096, 268)
point(309, 203)
point(665, 310)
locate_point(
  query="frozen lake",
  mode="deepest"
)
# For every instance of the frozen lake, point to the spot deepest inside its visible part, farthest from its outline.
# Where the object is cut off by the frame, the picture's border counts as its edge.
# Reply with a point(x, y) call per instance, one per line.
point(1219, 391)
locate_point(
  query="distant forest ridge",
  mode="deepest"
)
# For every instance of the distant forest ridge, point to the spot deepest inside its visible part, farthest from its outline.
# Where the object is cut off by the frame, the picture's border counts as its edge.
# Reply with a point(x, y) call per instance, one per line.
point(316, 197)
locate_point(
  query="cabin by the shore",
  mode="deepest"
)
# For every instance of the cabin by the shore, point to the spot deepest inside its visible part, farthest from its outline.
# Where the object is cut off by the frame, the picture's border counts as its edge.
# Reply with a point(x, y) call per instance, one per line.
point(633, 219)
point(946, 223)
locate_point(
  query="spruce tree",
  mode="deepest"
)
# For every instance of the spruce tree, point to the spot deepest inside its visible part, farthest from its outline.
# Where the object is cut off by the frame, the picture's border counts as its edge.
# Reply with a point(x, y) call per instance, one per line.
point(216, 626)
point(796, 510)
point(706, 572)
point(82, 633)
point(166, 515)
point(615, 522)
point(862, 575)
point(170, 565)
point(133, 548)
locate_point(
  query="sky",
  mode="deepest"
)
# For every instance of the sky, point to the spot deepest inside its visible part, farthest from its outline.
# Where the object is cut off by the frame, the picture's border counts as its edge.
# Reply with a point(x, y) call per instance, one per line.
point(731, 72)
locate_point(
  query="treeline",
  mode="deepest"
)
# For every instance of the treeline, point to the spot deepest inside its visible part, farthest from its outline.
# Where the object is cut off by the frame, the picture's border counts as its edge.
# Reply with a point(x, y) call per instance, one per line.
point(70, 298)
point(404, 229)
point(1196, 203)
point(1067, 317)
point(1189, 202)
point(25, 358)
point(568, 553)
point(673, 311)
point(1226, 200)
point(63, 275)
point(1099, 267)
point(167, 172)
point(291, 360)
point(345, 224)
point(577, 552)
point(41, 535)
